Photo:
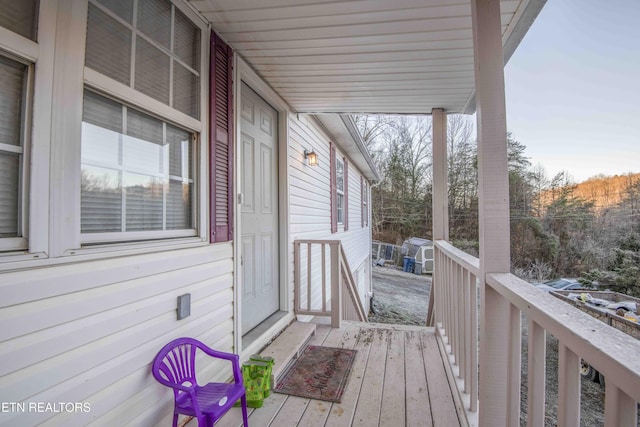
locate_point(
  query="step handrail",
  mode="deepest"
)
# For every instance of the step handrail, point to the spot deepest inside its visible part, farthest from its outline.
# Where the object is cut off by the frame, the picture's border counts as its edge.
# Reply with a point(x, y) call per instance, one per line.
point(334, 280)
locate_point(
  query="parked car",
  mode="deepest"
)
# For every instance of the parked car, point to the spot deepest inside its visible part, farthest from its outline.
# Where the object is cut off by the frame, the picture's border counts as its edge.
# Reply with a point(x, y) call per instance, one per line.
point(562, 284)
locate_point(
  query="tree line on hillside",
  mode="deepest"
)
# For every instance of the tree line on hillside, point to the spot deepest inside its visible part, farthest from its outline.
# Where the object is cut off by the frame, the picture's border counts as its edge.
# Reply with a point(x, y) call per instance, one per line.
point(558, 228)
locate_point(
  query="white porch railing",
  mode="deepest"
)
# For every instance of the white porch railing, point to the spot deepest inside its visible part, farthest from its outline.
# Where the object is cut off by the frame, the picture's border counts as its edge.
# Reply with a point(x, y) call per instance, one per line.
point(324, 284)
point(580, 336)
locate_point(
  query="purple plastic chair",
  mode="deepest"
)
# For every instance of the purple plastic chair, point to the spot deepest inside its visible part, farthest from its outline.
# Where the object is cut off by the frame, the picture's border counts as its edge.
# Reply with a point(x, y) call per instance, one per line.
point(174, 366)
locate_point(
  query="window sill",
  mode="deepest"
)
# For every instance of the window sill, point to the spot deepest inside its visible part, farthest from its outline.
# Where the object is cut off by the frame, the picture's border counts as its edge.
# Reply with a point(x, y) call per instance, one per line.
point(22, 261)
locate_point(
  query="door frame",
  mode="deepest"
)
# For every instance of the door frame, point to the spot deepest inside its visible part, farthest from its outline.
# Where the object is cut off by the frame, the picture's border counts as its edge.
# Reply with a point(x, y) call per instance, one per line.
point(244, 73)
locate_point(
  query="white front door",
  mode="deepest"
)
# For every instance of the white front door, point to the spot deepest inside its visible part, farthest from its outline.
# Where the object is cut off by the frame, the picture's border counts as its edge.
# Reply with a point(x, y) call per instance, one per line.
point(260, 283)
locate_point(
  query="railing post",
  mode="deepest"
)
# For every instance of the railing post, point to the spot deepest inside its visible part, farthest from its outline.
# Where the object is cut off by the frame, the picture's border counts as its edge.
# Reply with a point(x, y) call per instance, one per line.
point(493, 212)
point(336, 286)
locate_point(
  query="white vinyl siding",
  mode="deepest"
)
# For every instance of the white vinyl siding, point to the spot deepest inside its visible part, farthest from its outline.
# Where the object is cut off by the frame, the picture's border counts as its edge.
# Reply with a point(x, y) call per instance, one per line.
point(309, 198)
point(88, 332)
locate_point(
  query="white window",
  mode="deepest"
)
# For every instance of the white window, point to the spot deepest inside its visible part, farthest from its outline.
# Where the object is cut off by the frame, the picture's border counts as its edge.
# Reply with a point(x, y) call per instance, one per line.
point(137, 173)
point(365, 204)
point(340, 189)
point(15, 111)
point(138, 167)
point(154, 49)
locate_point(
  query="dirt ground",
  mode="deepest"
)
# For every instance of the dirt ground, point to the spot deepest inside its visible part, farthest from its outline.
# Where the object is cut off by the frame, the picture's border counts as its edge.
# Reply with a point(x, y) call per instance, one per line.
point(398, 297)
point(402, 298)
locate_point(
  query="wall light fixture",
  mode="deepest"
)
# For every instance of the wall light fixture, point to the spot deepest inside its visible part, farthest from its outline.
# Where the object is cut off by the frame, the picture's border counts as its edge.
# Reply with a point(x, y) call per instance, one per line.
point(311, 157)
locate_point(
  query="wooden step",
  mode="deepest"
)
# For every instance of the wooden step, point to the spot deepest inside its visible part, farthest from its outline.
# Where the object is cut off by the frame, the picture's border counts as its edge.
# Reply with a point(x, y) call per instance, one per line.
point(286, 348)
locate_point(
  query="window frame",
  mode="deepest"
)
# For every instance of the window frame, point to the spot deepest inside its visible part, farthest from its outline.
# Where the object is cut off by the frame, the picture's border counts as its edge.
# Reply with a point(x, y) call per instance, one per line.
point(365, 202)
point(51, 197)
point(123, 236)
point(131, 98)
point(25, 51)
point(21, 243)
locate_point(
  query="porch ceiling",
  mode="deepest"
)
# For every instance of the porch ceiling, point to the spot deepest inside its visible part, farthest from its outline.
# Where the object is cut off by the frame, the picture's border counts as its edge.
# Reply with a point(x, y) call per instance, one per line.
point(364, 56)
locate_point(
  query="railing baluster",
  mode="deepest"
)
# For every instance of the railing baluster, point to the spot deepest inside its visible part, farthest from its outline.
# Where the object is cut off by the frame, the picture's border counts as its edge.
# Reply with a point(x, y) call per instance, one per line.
point(465, 365)
point(457, 311)
point(619, 408)
point(568, 387)
point(309, 287)
point(474, 343)
point(454, 315)
point(296, 268)
point(324, 279)
point(449, 325)
point(515, 350)
point(460, 338)
point(435, 284)
point(461, 335)
point(536, 365)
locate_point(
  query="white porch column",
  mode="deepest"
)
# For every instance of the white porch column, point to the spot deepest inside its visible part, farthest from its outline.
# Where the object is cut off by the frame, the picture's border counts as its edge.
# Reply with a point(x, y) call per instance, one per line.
point(493, 189)
point(440, 196)
point(439, 202)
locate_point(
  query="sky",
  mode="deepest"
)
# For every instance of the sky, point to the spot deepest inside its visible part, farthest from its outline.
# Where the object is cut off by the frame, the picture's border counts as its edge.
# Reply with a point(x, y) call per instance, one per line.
point(573, 88)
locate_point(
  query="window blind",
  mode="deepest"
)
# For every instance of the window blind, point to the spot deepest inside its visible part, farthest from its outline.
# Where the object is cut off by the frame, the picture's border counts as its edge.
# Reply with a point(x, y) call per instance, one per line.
point(163, 68)
point(136, 170)
point(13, 77)
point(20, 17)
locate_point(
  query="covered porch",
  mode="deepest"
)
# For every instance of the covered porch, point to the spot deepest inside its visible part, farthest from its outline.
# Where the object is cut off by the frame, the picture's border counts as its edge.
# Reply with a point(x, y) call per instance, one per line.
point(399, 378)
point(438, 58)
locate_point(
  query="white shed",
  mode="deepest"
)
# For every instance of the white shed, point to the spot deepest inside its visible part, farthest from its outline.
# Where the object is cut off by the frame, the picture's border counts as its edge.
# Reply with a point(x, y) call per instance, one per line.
point(422, 251)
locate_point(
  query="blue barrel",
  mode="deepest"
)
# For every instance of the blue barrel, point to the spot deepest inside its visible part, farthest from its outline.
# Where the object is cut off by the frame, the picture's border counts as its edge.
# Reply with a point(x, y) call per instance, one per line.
point(408, 264)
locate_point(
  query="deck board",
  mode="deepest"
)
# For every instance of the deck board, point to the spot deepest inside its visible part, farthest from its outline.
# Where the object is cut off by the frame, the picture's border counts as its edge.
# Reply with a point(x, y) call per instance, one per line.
point(392, 411)
point(341, 413)
point(370, 399)
point(443, 409)
point(291, 412)
point(398, 379)
point(417, 398)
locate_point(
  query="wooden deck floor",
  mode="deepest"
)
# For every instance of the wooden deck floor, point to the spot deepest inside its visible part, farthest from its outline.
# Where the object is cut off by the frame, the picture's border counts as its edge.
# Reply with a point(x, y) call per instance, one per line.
point(398, 379)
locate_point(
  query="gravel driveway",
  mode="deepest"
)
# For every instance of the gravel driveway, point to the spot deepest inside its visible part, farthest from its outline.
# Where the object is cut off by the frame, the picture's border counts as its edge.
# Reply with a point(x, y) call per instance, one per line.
point(399, 298)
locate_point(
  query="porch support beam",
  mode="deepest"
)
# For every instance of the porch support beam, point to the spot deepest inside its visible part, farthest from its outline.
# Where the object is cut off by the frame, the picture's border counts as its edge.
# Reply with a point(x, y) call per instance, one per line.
point(440, 203)
point(493, 191)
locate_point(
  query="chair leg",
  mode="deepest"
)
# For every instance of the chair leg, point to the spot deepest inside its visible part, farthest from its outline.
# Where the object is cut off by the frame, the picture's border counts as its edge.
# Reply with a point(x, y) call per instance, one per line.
point(175, 420)
point(245, 420)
